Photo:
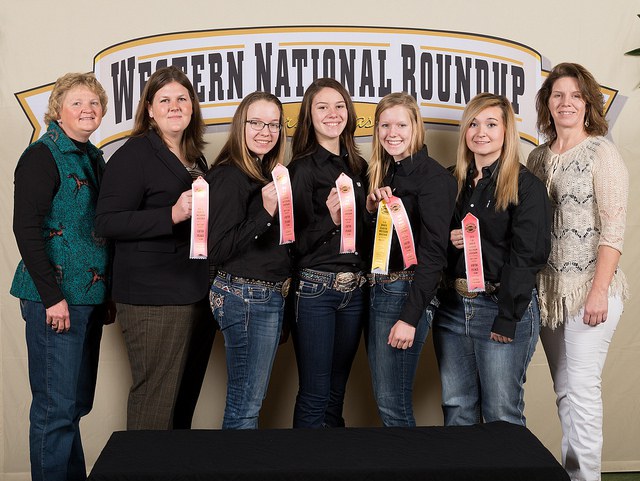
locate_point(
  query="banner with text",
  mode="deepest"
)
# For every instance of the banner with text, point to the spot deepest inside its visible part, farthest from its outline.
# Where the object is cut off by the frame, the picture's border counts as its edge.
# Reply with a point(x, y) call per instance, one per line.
point(442, 70)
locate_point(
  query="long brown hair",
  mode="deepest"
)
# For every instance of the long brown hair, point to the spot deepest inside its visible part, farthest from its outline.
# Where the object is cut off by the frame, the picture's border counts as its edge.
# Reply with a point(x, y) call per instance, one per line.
point(192, 141)
point(235, 150)
point(509, 160)
point(380, 159)
point(304, 139)
point(595, 122)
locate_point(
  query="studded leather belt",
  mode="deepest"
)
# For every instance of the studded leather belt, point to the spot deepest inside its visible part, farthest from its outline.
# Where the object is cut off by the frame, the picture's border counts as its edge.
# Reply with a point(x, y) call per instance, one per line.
point(391, 277)
point(339, 281)
point(281, 286)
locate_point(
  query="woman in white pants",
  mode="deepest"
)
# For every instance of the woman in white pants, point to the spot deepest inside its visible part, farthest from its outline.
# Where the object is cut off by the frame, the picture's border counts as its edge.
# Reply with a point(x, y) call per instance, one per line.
point(582, 288)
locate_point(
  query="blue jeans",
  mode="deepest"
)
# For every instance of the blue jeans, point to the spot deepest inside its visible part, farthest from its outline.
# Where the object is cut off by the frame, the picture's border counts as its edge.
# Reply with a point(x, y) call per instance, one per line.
point(393, 370)
point(481, 378)
point(62, 374)
point(250, 319)
point(326, 336)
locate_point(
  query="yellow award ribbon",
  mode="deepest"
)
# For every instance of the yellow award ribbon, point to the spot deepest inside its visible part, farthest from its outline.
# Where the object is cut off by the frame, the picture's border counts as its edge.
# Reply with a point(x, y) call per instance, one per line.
point(382, 242)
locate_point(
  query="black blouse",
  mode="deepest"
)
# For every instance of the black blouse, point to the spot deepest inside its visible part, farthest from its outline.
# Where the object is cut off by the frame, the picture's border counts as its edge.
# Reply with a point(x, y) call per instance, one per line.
point(317, 237)
point(515, 242)
point(243, 237)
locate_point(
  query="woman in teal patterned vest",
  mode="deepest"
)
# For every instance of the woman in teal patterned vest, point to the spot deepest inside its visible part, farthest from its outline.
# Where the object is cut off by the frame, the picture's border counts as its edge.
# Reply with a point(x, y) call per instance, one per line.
point(63, 277)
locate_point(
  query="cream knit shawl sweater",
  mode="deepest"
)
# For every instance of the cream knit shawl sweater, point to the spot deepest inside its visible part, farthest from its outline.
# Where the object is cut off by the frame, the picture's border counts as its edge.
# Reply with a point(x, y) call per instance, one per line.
point(588, 187)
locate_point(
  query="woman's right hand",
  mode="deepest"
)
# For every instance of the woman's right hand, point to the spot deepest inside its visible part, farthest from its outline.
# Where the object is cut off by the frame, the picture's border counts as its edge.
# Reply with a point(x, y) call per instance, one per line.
point(374, 198)
point(181, 210)
point(57, 316)
point(456, 238)
point(270, 198)
point(333, 204)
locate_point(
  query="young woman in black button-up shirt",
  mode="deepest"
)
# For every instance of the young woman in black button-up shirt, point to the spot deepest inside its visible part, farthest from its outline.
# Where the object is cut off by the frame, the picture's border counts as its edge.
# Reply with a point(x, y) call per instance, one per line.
point(329, 300)
point(484, 340)
point(401, 314)
point(247, 295)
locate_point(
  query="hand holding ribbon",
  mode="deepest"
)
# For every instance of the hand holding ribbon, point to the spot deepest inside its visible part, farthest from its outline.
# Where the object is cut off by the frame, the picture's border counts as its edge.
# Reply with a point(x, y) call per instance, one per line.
point(181, 210)
point(374, 198)
point(333, 204)
point(270, 198)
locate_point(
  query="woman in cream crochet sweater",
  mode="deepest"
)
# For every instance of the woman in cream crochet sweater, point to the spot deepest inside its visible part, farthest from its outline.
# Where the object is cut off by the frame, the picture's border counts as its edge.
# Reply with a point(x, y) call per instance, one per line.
point(581, 289)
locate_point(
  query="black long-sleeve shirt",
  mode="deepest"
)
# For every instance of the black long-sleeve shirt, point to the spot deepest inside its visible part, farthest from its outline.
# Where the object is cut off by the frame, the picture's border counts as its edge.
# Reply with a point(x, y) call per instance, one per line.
point(243, 237)
point(317, 243)
point(515, 242)
point(36, 182)
point(428, 192)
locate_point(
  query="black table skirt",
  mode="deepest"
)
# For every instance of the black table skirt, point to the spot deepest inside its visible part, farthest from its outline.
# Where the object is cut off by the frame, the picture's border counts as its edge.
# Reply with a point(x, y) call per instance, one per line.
point(492, 452)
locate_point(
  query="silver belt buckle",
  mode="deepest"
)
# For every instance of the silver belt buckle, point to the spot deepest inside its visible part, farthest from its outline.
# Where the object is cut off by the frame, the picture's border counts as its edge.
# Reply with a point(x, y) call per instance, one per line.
point(345, 282)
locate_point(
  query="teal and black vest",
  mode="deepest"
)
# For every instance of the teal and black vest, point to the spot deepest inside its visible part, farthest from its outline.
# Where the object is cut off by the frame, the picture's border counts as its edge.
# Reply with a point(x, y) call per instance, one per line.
point(80, 259)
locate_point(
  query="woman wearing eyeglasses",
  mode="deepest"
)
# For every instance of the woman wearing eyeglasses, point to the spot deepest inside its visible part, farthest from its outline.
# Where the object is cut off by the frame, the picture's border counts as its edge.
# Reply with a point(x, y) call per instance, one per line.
point(247, 295)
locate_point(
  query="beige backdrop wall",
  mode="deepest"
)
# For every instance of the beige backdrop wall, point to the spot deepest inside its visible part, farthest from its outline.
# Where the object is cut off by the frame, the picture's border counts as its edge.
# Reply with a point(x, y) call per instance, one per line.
point(40, 40)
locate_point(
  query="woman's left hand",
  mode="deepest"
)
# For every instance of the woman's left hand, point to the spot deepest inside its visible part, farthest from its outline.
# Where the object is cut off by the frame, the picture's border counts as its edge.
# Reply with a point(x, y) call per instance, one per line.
point(401, 335)
point(596, 307)
point(500, 338)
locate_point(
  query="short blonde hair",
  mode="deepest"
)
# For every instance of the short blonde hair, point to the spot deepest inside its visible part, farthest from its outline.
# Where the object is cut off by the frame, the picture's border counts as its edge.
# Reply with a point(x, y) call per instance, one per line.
point(66, 83)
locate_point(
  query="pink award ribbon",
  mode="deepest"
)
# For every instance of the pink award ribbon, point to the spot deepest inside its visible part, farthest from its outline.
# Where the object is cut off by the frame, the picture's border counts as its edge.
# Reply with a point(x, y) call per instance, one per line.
point(344, 184)
point(282, 182)
point(473, 253)
point(199, 219)
point(403, 230)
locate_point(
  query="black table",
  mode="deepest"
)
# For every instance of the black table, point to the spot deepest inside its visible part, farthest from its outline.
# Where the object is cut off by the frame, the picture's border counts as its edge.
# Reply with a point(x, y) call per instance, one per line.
point(492, 452)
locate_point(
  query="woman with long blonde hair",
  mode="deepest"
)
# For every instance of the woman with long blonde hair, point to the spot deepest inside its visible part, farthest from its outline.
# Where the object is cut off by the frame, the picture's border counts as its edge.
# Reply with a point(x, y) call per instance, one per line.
point(484, 338)
point(401, 309)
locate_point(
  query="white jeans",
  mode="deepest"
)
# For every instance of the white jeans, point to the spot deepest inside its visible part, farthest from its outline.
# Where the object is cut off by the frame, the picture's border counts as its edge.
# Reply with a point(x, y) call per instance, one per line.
point(576, 353)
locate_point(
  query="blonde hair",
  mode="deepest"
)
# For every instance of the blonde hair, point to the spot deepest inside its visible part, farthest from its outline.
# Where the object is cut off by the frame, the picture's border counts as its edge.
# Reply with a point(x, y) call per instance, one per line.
point(235, 150)
point(509, 161)
point(380, 159)
point(68, 82)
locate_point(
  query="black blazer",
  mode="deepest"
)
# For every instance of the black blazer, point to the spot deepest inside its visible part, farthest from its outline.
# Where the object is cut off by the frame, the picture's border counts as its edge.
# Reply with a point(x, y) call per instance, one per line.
point(151, 266)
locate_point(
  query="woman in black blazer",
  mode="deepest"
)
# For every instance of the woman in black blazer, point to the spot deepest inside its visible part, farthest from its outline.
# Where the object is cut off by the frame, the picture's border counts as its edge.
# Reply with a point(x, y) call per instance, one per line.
point(145, 206)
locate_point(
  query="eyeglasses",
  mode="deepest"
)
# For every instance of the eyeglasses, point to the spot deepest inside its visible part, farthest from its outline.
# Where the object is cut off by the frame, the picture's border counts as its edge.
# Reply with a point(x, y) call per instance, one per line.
point(258, 125)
